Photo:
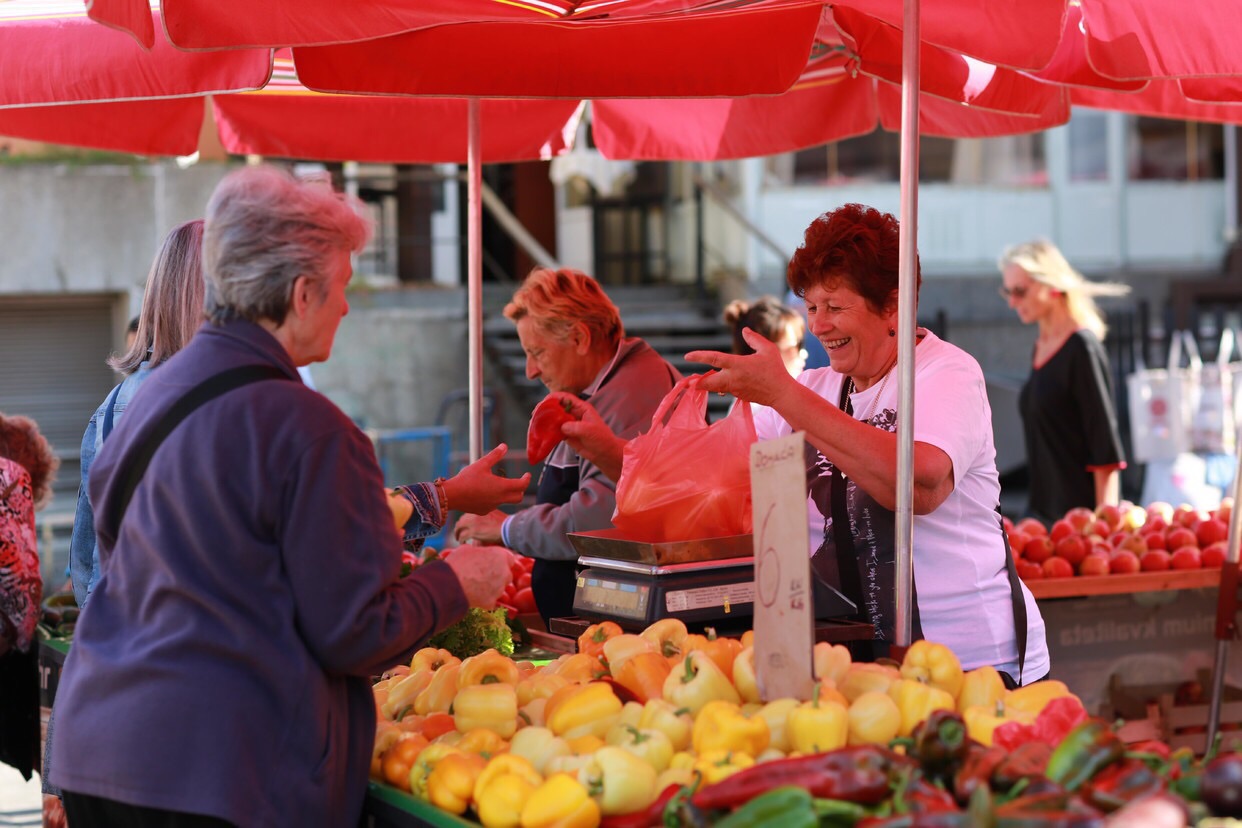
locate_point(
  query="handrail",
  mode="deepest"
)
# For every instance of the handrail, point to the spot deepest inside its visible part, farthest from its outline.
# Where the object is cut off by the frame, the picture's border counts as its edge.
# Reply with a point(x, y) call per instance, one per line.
point(723, 201)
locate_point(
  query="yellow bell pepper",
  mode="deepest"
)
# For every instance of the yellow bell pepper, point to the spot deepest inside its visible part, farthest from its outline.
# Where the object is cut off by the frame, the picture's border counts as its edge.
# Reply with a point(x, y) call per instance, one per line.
point(538, 745)
point(982, 720)
point(488, 667)
point(830, 661)
point(560, 802)
point(650, 745)
point(720, 725)
point(874, 719)
point(429, 658)
point(505, 763)
point(744, 678)
point(451, 783)
point(581, 667)
point(593, 639)
point(817, 726)
point(716, 765)
point(1024, 703)
point(674, 722)
point(583, 709)
point(438, 697)
point(570, 764)
point(540, 686)
point(916, 701)
point(619, 781)
point(631, 713)
point(401, 696)
point(424, 764)
point(620, 649)
point(493, 706)
point(681, 777)
point(584, 745)
point(501, 802)
point(696, 680)
point(864, 677)
point(667, 635)
point(683, 760)
point(776, 714)
point(933, 664)
point(483, 741)
point(981, 687)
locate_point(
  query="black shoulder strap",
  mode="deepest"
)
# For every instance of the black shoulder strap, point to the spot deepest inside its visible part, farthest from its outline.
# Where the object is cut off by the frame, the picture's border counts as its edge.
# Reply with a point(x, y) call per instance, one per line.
point(200, 394)
point(1019, 601)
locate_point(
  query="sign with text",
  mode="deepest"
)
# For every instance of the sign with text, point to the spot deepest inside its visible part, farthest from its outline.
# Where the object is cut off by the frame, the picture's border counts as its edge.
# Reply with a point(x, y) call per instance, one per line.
point(784, 594)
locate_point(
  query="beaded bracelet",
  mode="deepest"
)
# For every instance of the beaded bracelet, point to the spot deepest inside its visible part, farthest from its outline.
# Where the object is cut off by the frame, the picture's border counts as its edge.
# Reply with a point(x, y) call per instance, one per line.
point(443, 498)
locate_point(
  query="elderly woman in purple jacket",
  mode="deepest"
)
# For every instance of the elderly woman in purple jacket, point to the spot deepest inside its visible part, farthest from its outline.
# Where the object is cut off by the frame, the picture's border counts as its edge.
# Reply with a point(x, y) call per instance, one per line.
point(250, 567)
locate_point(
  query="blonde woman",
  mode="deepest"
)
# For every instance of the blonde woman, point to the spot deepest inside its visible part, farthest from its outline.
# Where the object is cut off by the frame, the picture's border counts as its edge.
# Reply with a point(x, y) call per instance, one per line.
point(1068, 415)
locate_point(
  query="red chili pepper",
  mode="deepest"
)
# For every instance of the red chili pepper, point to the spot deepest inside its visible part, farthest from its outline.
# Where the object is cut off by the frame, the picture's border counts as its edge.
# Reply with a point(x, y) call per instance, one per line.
point(858, 774)
point(653, 814)
point(545, 428)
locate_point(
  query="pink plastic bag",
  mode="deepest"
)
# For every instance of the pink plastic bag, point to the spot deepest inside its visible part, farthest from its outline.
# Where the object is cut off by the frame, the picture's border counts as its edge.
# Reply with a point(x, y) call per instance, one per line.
point(685, 479)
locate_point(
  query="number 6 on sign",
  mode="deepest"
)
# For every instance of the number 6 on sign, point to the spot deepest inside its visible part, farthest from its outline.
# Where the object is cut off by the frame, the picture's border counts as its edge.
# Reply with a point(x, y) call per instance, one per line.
point(784, 600)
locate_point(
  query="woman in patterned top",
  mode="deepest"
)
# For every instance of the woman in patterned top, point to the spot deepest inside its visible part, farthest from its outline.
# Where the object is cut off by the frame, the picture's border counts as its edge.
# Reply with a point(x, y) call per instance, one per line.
point(27, 468)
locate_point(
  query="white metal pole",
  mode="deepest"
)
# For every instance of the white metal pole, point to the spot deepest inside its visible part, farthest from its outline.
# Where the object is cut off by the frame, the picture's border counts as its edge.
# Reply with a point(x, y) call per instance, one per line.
point(474, 278)
point(907, 318)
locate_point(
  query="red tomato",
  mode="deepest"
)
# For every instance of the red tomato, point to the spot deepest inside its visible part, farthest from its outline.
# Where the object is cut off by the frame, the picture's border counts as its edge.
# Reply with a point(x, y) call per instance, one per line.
point(524, 600)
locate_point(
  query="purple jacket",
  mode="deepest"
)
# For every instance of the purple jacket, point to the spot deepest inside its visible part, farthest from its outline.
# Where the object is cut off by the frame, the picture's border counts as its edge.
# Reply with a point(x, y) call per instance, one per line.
point(221, 666)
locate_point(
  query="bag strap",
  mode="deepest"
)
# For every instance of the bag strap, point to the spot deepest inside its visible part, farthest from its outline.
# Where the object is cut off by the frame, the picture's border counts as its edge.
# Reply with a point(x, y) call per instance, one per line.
point(111, 404)
point(1018, 599)
point(204, 392)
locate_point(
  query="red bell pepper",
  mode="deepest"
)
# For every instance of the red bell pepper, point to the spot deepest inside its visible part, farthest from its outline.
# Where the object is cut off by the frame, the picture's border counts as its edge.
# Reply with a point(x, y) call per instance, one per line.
point(545, 428)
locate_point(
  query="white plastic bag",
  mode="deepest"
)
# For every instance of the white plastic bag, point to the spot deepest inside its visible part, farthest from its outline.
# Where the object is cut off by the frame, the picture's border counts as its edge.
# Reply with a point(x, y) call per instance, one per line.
point(1162, 401)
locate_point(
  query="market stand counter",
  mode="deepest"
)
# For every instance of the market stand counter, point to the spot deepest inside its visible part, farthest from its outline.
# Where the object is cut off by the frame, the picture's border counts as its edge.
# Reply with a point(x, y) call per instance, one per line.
point(1136, 632)
point(389, 807)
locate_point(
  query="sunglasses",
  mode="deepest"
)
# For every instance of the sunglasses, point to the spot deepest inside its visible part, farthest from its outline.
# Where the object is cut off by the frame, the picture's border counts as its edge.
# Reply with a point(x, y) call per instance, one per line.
point(1018, 293)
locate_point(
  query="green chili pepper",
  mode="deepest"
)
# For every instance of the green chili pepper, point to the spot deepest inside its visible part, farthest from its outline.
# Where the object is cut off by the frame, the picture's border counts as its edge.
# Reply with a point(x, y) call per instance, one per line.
point(1086, 750)
point(788, 807)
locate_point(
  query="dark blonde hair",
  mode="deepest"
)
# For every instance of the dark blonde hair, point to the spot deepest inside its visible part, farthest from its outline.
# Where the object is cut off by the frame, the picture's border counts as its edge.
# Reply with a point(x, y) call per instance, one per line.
point(766, 316)
point(23, 443)
point(172, 305)
point(556, 299)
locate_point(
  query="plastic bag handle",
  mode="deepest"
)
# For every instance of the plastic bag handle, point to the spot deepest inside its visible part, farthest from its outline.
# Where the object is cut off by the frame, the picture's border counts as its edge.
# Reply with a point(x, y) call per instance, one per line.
point(676, 395)
point(1228, 341)
point(1184, 339)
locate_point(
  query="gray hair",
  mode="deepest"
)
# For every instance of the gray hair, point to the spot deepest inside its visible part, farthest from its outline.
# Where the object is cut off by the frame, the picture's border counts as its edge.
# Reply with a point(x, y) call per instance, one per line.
point(264, 228)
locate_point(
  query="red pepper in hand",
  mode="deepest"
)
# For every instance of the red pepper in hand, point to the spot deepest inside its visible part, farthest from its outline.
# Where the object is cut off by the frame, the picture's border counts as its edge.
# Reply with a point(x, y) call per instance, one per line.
point(545, 428)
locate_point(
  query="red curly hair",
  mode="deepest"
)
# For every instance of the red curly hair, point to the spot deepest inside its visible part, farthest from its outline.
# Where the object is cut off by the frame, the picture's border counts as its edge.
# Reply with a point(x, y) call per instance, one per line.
point(21, 442)
point(855, 246)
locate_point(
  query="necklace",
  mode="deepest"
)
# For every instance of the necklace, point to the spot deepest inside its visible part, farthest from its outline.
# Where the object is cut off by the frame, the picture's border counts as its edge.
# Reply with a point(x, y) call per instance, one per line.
point(879, 392)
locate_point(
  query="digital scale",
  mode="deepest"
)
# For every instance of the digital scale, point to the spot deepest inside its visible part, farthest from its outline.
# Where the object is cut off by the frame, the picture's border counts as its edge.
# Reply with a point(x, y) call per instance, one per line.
point(709, 581)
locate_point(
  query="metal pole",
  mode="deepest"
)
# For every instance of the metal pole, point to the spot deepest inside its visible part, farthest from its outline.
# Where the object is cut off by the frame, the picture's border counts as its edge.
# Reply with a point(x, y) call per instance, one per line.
point(1226, 609)
point(907, 317)
point(474, 278)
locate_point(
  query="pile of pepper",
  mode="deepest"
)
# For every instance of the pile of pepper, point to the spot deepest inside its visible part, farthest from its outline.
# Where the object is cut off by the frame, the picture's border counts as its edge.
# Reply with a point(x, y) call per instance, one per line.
point(668, 728)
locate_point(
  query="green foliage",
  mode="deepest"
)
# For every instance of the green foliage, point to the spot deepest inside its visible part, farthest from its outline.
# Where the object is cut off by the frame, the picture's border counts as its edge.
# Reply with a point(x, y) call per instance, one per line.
point(480, 630)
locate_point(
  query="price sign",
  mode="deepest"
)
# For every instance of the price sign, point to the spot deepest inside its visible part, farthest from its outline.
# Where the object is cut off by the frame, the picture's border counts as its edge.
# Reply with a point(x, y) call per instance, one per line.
point(784, 597)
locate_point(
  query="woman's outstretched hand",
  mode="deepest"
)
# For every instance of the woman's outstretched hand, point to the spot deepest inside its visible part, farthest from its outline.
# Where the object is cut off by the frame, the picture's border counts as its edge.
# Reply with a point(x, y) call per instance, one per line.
point(759, 377)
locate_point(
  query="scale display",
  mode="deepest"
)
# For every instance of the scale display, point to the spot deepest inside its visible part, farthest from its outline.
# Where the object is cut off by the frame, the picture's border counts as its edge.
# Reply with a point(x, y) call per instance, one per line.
point(609, 596)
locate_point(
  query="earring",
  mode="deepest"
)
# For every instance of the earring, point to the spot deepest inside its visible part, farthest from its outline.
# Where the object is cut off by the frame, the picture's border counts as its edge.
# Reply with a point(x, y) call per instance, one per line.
point(892, 332)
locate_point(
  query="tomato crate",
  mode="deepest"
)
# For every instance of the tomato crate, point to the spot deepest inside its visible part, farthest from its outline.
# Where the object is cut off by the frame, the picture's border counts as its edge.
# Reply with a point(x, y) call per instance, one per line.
point(1174, 712)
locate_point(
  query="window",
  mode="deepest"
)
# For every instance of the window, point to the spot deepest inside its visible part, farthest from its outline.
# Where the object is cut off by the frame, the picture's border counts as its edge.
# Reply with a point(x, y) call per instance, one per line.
point(1160, 149)
point(1088, 146)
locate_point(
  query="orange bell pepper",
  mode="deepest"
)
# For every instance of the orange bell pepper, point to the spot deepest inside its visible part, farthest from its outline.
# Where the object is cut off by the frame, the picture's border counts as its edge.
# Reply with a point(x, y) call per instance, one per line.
point(438, 697)
point(579, 710)
point(721, 650)
point(539, 686)
point(450, 786)
point(644, 675)
point(581, 667)
point(488, 667)
point(429, 658)
point(399, 759)
point(592, 641)
point(438, 724)
point(621, 648)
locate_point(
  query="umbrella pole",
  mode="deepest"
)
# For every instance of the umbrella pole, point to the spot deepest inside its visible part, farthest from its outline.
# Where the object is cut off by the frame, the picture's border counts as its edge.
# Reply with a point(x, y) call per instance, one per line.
point(474, 277)
point(907, 320)
point(1226, 609)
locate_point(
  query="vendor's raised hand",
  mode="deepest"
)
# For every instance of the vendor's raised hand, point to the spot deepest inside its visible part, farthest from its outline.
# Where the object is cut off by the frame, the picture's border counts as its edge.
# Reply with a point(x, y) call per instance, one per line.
point(480, 529)
point(759, 377)
point(591, 437)
point(477, 490)
point(482, 571)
